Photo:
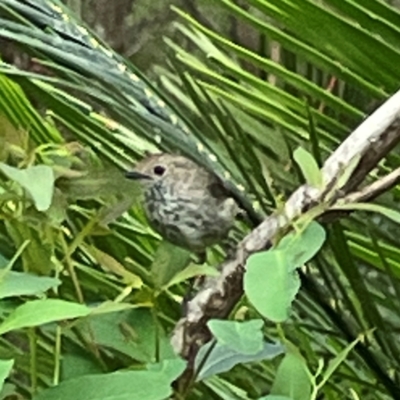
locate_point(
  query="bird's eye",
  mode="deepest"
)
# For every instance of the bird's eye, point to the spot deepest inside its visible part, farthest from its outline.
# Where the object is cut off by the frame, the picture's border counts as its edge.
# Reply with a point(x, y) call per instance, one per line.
point(159, 170)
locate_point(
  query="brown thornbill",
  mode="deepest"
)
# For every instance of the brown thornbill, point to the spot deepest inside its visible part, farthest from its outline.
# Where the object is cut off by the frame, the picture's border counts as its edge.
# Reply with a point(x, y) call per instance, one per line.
point(187, 205)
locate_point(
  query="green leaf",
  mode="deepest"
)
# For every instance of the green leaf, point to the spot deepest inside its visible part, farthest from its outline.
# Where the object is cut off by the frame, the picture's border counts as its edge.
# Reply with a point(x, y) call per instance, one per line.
point(292, 378)
point(133, 333)
point(107, 262)
point(23, 284)
point(244, 337)
point(301, 246)
point(153, 384)
point(38, 255)
point(3, 261)
point(168, 261)
point(39, 312)
point(347, 172)
point(170, 369)
point(224, 390)
point(191, 271)
point(270, 283)
point(387, 212)
point(335, 363)
point(38, 180)
point(309, 167)
point(223, 358)
point(5, 369)
point(274, 397)
point(76, 365)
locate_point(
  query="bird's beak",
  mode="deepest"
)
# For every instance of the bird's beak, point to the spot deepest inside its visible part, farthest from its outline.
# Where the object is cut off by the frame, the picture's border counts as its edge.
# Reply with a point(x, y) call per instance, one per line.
point(136, 175)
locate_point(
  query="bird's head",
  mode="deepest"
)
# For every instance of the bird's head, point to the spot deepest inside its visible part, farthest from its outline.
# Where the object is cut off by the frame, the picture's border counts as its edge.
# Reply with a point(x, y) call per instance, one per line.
point(154, 167)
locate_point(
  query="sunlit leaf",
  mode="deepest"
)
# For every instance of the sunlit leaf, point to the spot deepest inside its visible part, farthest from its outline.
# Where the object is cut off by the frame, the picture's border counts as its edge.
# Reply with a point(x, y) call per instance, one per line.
point(222, 358)
point(244, 337)
point(122, 385)
point(270, 284)
point(38, 180)
point(376, 208)
point(302, 245)
point(292, 378)
point(309, 167)
point(22, 284)
point(39, 312)
point(5, 369)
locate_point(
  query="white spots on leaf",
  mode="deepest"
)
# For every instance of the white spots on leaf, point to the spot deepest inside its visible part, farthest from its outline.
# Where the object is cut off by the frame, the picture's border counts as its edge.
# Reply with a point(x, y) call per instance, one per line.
point(107, 52)
point(256, 205)
point(148, 92)
point(121, 67)
point(94, 42)
point(174, 119)
point(82, 30)
point(200, 147)
point(134, 77)
point(227, 175)
point(55, 8)
point(212, 157)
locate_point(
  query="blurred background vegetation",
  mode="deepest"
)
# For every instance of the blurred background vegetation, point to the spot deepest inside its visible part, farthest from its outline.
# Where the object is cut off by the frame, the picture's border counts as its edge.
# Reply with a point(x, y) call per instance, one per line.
point(248, 81)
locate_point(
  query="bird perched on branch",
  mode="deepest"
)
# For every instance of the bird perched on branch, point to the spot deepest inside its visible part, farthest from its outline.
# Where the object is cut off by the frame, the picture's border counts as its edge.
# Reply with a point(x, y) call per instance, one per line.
point(187, 205)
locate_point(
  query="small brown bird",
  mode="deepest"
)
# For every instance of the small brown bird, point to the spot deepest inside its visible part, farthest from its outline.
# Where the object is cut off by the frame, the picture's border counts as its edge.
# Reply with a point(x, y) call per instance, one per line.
point(185, 204)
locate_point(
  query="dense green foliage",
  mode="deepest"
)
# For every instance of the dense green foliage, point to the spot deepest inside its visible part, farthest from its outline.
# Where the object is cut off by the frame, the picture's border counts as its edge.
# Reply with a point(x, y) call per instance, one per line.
point(89, 293)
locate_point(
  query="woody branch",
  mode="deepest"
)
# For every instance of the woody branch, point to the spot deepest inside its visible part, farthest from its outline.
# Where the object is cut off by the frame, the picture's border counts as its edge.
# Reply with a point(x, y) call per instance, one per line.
point(371, 141)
